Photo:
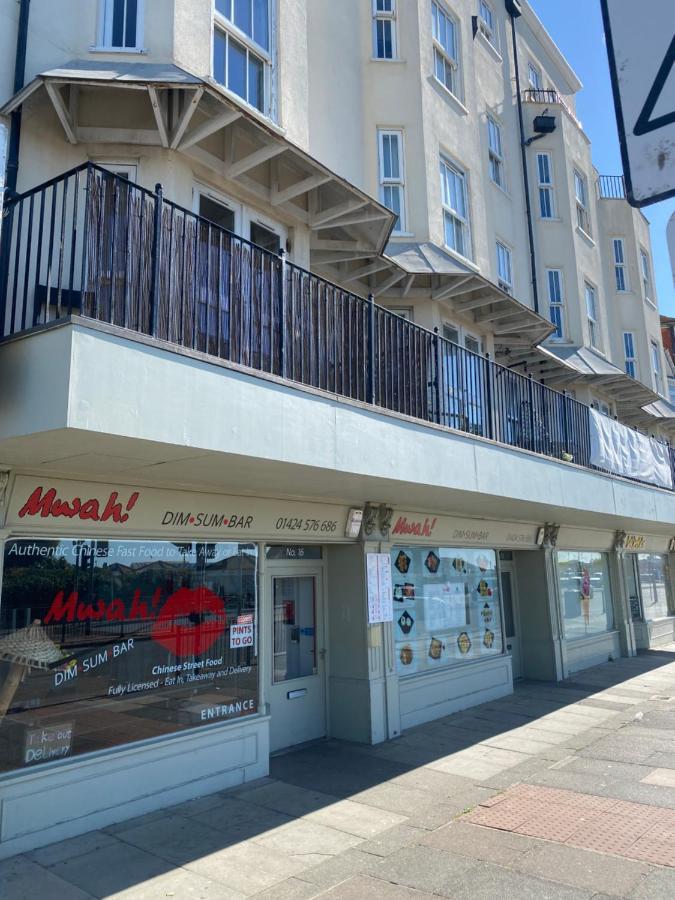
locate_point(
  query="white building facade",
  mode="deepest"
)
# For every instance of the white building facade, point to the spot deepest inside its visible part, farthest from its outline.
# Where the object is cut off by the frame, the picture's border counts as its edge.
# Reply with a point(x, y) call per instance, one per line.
point(296, 436)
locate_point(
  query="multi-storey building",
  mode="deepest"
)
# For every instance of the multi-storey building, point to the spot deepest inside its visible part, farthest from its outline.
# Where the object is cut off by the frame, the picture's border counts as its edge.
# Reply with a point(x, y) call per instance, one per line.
point(304, 310)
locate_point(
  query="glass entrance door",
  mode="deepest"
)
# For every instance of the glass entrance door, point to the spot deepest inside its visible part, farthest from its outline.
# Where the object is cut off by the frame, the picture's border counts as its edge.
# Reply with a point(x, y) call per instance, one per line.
point(632, 587)
point(511, 617)
point(298, 697)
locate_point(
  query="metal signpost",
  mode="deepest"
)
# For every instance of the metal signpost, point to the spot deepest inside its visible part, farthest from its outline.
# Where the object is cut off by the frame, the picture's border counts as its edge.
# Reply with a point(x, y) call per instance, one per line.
point(641, 50)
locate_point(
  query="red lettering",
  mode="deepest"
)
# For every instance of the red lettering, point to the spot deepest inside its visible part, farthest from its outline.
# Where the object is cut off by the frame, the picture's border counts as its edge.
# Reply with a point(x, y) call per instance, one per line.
point(115, 611)
point(90, 510)
point(419, 529)
point(37, 503)
point(85, 611)
point(48, 504)
point(139, 609)
point(60, 610)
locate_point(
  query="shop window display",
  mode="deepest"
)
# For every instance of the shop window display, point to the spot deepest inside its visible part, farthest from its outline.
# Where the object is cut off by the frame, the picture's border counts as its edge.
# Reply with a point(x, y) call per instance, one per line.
point(107, 642)
point(654, 585)
point(585, 593)
point(446, 607)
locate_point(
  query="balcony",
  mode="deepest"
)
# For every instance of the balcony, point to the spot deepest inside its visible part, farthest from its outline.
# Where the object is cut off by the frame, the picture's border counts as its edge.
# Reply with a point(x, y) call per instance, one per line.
point(90, 245)
point(550, 98)
point(611, 187)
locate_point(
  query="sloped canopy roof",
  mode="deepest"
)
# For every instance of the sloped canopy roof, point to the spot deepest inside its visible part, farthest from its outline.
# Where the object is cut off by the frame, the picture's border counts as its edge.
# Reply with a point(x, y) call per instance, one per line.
point(217, 129)
point(426, 270)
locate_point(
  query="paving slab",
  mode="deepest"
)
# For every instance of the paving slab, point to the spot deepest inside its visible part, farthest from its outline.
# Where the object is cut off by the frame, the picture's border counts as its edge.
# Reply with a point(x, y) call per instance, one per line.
point(361, 886)
point(342, 867)
point(393, 840)
point(109, 870)
point(247, 867)
point(23, 879)
point(427, 869)
point(581, 868)
point(659, 884)
point(491, 882)
point(664, 777)
point(487, 844)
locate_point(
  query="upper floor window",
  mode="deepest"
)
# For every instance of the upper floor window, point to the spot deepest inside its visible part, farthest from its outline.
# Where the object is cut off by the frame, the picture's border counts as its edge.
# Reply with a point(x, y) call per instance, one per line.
point(392, 181)
point(487, 23)
point(629, 353)
point(534, 76)
point(504, 268)
point(455, 208)
point(545, 181)
point(495, 153)
point(645, 274)
point(656, 367)
point(384, 29)
point(122, 24)
point(445, 32)
point(620, 274)
point(242, 59)
point(592, 316)
point(554, 283)
point(581, 197)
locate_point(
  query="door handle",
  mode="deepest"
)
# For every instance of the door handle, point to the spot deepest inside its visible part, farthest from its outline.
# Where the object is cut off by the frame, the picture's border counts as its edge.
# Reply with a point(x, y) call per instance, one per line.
point(322, 653)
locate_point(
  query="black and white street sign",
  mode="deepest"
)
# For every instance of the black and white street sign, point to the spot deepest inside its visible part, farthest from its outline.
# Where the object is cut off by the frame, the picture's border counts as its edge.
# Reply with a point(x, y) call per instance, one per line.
point(641, 49)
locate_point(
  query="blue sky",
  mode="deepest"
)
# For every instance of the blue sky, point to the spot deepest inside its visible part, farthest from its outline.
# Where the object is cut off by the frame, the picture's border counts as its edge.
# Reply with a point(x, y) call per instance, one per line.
point(576, 27)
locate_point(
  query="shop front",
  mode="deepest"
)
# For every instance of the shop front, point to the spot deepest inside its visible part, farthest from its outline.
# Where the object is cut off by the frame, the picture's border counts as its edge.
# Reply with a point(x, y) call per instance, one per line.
point(154, 646)
point(646, 573)
point(456, 640)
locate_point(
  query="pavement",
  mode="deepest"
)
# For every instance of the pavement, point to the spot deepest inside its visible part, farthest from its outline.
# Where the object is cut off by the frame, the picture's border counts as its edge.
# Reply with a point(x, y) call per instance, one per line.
point(558, 791)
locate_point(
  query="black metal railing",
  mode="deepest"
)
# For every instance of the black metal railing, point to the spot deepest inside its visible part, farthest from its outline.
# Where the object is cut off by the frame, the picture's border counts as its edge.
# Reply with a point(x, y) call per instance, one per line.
point(550, 98)
point(611, 187)
point(92, 243)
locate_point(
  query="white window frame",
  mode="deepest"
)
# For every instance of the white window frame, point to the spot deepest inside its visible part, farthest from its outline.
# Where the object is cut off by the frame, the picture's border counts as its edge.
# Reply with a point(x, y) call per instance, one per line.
point(199, 190)
point(620, 268)
point(533, 70)
point(593, 320)
point(440, 52)
point(496, 154)
point(657, 372)
point(504, 266)
point(488, 29)
point(105, 32)
point(583, 212)
point(546, 188)
point(381, 15)
point(556, 303)
point(119, 168)
point(646, 276)
point(462, 221)
point(630, 359)
point(227, 27)
point(390, 181)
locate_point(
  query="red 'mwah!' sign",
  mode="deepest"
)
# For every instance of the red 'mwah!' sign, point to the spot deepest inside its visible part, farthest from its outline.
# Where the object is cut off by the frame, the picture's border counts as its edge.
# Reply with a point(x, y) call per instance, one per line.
point(47, 504)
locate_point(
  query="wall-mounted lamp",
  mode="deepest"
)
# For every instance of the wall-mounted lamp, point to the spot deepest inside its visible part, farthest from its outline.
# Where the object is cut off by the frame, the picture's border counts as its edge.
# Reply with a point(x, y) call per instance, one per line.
point(543, 125)
point(353, 526)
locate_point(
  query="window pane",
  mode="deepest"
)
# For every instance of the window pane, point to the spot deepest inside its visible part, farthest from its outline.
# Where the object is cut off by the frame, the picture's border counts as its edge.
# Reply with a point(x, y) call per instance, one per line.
point(544, 167)
point(236, 68)
point(628, 344)
point(118, 23)
point(654, 585)
point(630, 368)
point(225, 8)
point(618, 251)
point(137, 638)
point(392, 200)
point(256, 82)
point(131, 23)
point(556, 319)
point(242, 16)
point(294, 628)
point(384, 5)
point(446, 607)
point(585, 593)
point(545, 205)
point(261, 27)
point(219, 48)
point(384, 39)
point(620, 278)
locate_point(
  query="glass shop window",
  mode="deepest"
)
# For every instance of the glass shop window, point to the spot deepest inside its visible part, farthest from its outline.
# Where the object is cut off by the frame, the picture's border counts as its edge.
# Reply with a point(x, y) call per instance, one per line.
point(104, 643)
point(585, 593)
point(446, 607)
point(654, 585)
